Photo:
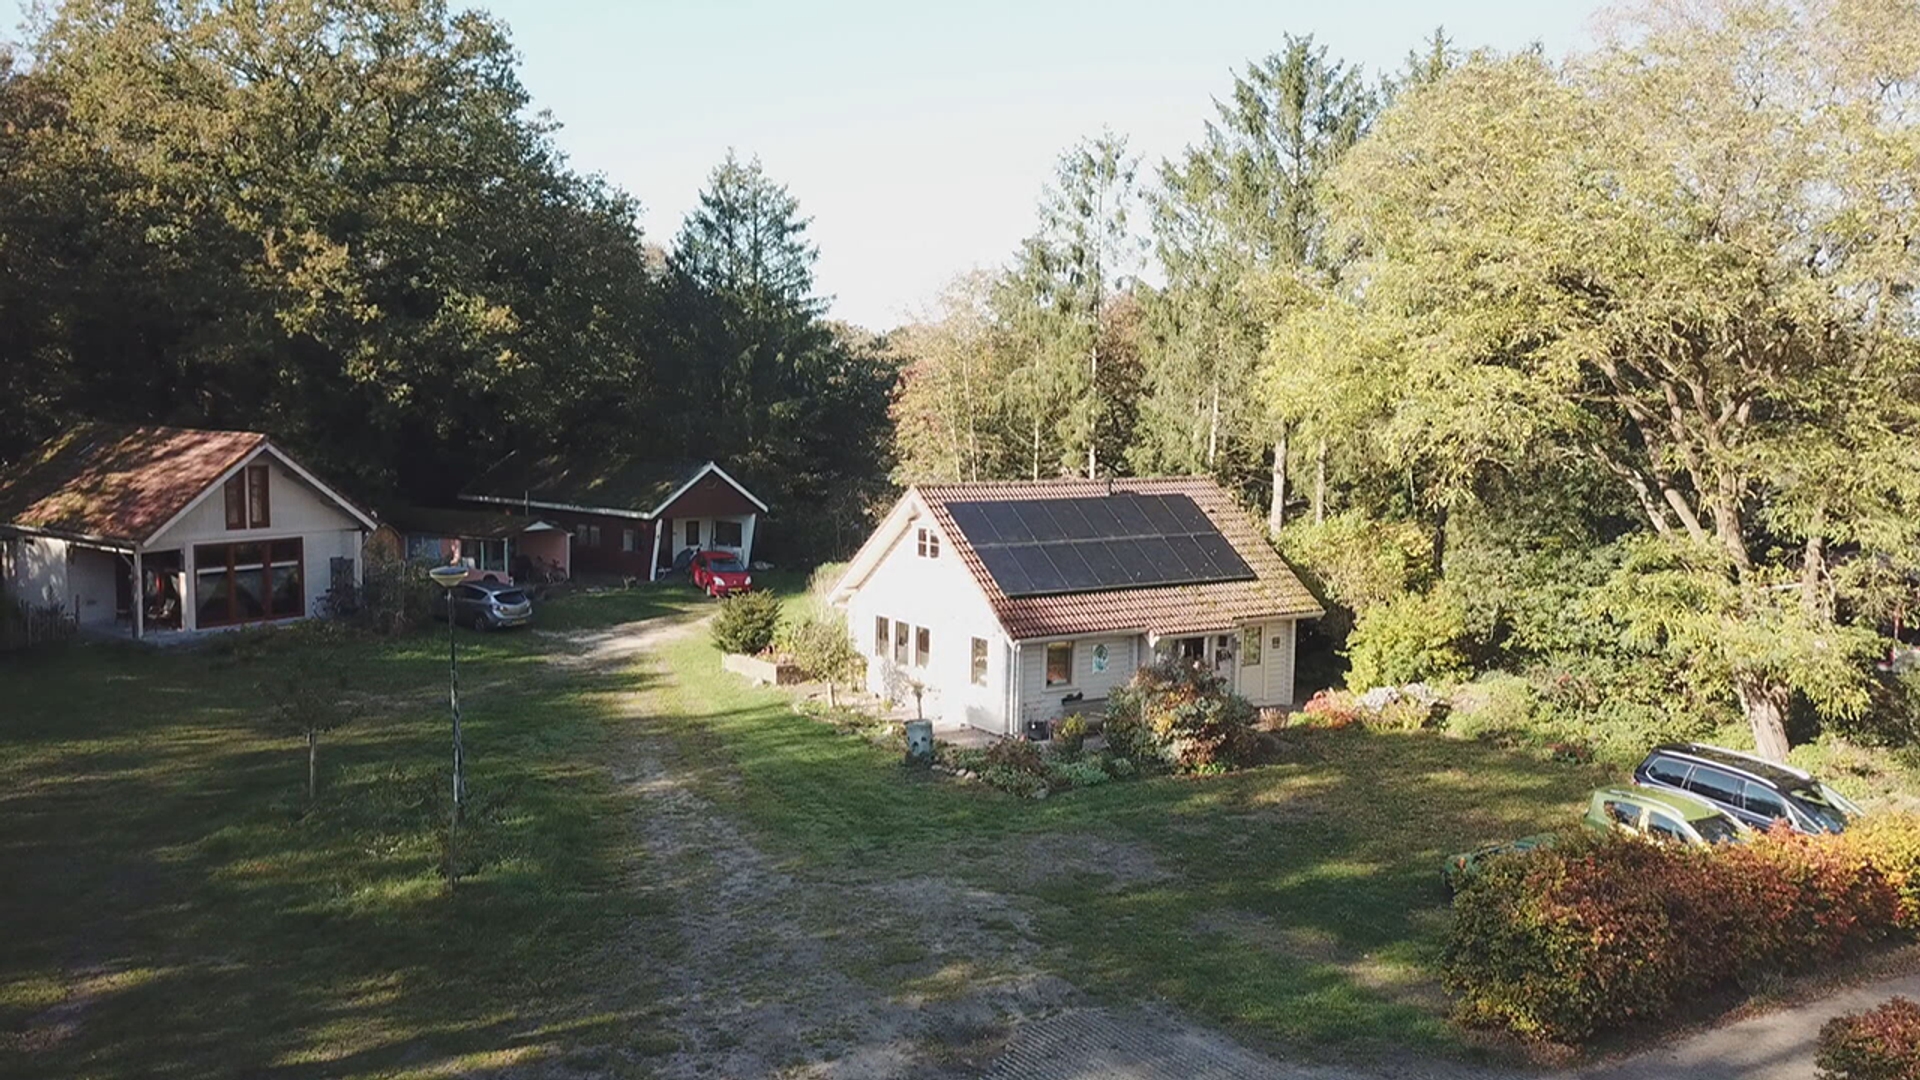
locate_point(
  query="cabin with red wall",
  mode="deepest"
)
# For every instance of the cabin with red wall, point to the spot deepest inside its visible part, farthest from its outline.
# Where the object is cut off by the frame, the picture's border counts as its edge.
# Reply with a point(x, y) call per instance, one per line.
point(628, 519)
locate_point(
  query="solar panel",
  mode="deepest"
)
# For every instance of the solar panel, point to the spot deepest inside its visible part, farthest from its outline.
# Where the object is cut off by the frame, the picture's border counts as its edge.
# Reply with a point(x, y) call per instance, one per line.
point(1040, 571)
point(1041, 547)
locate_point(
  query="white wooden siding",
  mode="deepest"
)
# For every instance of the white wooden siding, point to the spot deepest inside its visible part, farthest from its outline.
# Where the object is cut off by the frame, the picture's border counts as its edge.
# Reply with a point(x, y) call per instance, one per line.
point(940, 595)
point(1038, 701)
point(294, 510)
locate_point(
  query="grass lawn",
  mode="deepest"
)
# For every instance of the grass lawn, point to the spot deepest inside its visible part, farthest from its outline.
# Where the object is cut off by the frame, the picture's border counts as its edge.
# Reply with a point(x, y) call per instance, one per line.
point(174, 908)
point(1298, 904)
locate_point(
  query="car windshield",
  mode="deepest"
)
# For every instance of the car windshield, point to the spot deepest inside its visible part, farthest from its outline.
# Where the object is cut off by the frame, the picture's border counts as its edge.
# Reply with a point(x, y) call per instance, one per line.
point(1812, 800)
point(731, 566)
point(1716, 829)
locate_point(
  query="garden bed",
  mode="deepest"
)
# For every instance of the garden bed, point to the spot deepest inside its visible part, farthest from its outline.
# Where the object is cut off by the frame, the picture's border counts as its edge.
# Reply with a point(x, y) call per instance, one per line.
point(765, 670)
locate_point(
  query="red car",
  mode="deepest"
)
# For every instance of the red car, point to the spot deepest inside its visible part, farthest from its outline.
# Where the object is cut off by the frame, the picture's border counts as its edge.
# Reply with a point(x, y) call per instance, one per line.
point(718, 573)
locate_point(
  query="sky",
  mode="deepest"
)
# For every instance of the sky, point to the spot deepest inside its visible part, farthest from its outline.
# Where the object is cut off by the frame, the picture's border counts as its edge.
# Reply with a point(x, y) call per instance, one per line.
point(918, 136)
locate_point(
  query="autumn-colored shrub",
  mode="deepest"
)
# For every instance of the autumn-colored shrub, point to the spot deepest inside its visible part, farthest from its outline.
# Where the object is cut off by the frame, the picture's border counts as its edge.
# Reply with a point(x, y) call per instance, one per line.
point(1182, 716)
point(1879, 1044)
point(1070, 734)
point(1558, 943)
point(1332, 709)
point(1892, 843)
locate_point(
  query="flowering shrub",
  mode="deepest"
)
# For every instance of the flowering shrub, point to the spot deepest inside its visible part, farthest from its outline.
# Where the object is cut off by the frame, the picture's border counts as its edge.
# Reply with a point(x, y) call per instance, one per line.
point(1880, 1044)
point(1181, 716)
point(1557, 943)
point(1332, 709)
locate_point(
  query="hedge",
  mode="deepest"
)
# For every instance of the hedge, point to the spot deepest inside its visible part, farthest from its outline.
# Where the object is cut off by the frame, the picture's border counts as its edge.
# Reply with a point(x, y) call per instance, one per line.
point(1560, 943)
point(1879, 1044)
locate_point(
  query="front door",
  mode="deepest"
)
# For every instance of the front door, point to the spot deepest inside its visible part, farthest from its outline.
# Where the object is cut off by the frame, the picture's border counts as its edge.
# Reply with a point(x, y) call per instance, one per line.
point(693, 535)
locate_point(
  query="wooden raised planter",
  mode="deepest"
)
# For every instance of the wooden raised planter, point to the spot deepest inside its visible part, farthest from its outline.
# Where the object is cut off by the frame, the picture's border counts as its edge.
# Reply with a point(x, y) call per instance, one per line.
point(762, 670)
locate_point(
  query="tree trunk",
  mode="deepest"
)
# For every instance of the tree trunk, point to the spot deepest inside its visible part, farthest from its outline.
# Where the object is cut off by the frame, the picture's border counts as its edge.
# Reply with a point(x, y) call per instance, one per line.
point(1093, 403)
point(1440, 543)
point(1320, 482)
point(1765, 704)
point(313, 764)
point(1813, 570)
point(1213, 425)
point(1277, 510)
point(833, 701)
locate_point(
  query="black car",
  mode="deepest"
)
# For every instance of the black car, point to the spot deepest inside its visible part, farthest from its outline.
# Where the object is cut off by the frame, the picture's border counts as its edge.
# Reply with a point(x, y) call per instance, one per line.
point(1753, 790)
point(489, 605)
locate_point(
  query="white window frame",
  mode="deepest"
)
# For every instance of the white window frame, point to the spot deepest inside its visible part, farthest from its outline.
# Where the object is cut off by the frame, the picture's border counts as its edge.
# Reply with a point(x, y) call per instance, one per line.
point(1046, 662)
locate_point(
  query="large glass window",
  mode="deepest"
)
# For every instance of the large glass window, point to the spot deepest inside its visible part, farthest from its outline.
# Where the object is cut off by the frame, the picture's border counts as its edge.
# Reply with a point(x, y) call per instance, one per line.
point(1060, 663)
point(726, 534)
point(237, 583)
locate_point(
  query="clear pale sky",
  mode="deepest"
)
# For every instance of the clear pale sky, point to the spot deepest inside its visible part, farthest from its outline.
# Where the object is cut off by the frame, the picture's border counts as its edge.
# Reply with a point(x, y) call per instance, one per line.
point(918, 135)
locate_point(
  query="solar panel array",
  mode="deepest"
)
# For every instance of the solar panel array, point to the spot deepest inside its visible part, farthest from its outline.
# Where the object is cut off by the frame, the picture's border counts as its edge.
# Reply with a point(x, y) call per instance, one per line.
point(1044, 547)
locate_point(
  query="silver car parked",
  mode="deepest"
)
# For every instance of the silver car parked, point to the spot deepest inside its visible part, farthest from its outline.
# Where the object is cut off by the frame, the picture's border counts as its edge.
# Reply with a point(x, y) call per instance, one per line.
point(490, 605)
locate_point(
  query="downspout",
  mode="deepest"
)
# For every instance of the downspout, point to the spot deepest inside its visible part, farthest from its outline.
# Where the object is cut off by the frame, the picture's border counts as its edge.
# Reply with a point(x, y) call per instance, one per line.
point(1013, 689)
point(139, 596)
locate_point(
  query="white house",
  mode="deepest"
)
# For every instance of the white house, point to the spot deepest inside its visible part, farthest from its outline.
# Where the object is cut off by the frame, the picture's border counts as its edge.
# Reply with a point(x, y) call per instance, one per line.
point(218, 528)
point(1013, 602)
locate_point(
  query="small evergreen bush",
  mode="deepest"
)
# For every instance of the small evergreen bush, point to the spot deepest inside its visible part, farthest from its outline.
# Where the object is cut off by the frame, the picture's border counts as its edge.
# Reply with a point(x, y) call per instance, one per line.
point(747, 622)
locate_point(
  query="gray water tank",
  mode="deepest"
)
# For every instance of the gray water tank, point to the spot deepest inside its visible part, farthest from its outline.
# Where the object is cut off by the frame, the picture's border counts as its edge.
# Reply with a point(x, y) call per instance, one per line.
point(919, 742)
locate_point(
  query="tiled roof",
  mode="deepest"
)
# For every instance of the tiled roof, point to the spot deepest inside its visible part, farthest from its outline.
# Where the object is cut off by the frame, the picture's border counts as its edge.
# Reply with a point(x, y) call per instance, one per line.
point(119, 482)
point(438, 521)
point(1275, 591)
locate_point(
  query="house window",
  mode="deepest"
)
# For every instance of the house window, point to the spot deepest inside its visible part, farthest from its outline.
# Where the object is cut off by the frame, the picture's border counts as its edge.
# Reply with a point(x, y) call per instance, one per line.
point(922, 645)
point(629, 540)
point(693, 534)
point(248, 502)
point(238, 583)
point(1060, 663)
point(579, 534)
point(484, 554)
point(900, 642)
point(979, 662)
point(726, 534)
point(1250, 647)
point(929, 544)
point(880, 636)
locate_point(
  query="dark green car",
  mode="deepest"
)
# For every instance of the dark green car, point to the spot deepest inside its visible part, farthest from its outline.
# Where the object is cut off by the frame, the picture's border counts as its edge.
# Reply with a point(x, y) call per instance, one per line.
point(1464, 865)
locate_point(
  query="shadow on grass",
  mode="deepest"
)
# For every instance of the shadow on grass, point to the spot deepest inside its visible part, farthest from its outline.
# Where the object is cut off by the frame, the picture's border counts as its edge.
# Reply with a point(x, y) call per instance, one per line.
point(175, 907)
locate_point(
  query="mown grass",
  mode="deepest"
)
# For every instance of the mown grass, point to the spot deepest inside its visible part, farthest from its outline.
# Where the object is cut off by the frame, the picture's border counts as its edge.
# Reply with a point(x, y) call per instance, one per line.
point(1299, 903)
point(174, 907)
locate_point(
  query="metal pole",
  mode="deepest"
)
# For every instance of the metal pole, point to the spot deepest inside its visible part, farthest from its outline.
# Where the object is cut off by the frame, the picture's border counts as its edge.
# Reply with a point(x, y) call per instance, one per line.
point(453, 698)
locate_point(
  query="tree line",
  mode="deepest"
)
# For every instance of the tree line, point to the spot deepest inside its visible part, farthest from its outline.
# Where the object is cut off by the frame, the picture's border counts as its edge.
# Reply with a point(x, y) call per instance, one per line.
point(343, 224)
point(1600, 369)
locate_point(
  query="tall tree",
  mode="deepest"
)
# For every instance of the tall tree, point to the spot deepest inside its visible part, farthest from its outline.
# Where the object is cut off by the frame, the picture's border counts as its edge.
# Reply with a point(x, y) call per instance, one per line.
point(1653, 261)
point(333, 217)
point(1241, 205)
point(1085, 254)
point(800, 404)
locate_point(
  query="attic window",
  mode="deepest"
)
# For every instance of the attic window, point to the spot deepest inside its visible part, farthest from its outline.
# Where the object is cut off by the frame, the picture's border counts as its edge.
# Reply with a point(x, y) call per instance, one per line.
point(249, 504)
point(929, 544)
